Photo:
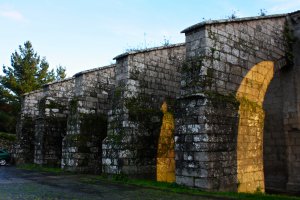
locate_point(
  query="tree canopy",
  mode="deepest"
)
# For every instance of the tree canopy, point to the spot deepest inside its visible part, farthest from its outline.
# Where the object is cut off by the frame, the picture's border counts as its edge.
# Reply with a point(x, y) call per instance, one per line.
point(28, 72)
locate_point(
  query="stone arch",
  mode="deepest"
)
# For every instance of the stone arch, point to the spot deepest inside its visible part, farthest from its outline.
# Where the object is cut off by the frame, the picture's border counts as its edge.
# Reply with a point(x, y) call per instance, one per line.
point(50, 127)
point(250, 94)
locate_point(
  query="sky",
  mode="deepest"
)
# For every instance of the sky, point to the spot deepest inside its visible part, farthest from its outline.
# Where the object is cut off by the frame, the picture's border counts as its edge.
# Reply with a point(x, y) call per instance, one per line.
point(84, 34)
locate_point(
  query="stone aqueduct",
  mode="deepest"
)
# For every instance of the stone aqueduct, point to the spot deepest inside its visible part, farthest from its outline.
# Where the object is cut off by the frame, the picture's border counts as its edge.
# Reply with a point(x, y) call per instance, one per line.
point(232, 89)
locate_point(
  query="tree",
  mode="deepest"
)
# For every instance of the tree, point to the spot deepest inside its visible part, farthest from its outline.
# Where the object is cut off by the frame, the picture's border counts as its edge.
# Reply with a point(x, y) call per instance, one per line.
point(7, 114)
point(60, 73)
point(28, 72)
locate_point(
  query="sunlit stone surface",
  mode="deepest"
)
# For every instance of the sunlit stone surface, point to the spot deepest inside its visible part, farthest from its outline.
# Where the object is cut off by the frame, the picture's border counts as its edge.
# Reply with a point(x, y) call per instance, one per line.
point(165, 152)
point(250, 173)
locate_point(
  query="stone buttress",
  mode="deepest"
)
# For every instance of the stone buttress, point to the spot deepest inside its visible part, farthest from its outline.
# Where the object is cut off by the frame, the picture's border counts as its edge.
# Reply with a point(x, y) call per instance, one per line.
point(87, 120)
point(144, 79)
point(215, 146)
point(51, 122)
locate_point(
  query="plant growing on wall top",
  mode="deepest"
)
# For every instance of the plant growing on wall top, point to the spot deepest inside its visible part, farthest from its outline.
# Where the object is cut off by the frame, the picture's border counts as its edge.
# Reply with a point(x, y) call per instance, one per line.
point(233, 15)
point(262, 12)
point(289, 41)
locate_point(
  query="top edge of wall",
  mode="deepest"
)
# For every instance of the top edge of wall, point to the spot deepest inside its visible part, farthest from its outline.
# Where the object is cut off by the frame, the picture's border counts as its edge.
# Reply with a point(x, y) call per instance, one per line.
point(148, 50)
point(225, 21)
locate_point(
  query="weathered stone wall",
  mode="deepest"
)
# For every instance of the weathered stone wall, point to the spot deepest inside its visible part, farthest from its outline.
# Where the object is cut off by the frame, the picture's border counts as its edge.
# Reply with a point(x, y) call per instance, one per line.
point(51, 122)
point(219, 56)
point(143, 81)
point(228, 50)
point(233, 89)
point(274, 137)
point(87, 121)
point(205, 141)
point(64, 123)
point(25, 127)
point(291, 102)
point(281, 148)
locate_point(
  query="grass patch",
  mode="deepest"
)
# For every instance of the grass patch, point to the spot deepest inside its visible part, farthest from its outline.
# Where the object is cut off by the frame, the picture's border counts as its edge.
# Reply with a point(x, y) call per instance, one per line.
point(8, 136)
point(170, 187)
point(173, 187)
point(39, 168)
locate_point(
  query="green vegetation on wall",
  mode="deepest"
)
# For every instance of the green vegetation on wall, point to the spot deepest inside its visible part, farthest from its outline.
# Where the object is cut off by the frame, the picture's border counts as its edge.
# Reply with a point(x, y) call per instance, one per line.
point(289, 42)
point(7, 137)
point(94, 123)
point(196, 75)
point(141, 109)
point(217, 98)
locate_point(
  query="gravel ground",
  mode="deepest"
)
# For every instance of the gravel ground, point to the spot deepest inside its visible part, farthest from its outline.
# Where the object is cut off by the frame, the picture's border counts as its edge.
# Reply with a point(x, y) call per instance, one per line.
point(18, 184)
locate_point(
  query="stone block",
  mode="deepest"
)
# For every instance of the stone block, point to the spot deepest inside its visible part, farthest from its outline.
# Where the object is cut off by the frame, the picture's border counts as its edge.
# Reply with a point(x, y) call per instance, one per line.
point(185, 180)
point(203, 183)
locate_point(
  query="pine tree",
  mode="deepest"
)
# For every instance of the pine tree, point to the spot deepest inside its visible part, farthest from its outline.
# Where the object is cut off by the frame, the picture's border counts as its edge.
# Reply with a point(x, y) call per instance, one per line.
point(60, 73)
point(28, 72)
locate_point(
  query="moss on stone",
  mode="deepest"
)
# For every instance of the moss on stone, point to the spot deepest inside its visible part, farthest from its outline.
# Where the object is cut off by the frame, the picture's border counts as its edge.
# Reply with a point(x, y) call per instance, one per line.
point(196, 74)
point(26, 139)
point(118, 92)
point(217, 98)
point(289, 42)
point(73, 105)
point(116, 139)
point(95, 124)
point(193, 64)
point(93, 128)
point(142, 109)
point(250, 105)
point(53, 105)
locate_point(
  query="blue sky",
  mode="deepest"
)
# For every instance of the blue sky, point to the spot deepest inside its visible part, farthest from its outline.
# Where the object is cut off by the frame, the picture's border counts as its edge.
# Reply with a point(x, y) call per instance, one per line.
point(84, 34)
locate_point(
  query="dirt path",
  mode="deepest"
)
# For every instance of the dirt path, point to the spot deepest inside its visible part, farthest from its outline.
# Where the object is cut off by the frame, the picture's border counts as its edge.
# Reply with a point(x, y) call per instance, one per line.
point(18, 184)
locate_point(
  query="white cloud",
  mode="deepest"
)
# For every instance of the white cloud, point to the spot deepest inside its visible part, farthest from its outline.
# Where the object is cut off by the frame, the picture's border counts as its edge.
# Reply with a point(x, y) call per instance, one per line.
point(12, 14)
point(8, 11)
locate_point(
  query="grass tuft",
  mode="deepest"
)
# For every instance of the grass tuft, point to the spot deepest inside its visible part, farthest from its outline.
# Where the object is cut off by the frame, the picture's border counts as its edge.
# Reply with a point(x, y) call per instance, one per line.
point(173, 187)
point(8, 136)
point(39, 168)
